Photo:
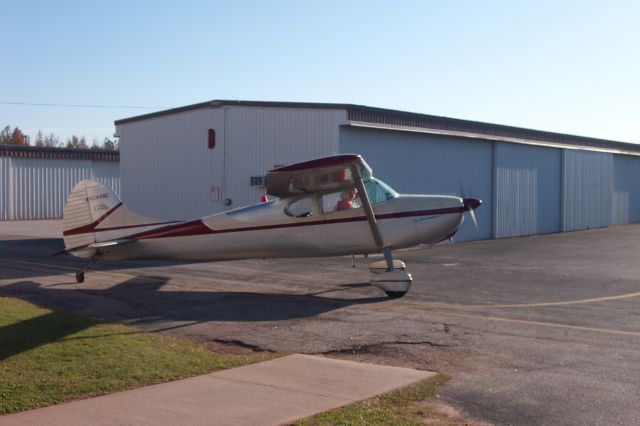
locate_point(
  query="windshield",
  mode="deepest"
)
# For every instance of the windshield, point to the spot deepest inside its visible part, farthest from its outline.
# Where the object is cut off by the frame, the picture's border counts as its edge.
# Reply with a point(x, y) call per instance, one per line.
point(379, 192)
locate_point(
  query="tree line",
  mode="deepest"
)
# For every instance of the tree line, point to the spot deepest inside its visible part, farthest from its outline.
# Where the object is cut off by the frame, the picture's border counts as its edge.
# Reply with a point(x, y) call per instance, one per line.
point(17, 137)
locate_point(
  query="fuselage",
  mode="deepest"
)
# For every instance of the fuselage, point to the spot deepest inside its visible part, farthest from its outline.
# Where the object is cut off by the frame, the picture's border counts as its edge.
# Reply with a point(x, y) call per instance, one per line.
point(276, 229)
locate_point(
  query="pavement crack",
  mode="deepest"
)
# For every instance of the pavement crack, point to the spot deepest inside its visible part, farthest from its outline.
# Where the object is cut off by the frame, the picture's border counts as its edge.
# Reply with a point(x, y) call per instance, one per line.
point(240, 343)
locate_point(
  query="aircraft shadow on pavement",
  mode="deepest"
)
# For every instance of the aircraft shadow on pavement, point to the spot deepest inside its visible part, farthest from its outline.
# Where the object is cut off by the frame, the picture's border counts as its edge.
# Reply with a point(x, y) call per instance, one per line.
point(138, 301)
point(39, 250)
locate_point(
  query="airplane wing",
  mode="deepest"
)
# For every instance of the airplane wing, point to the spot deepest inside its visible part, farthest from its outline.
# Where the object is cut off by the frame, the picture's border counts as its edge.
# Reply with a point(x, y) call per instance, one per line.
point(323, 174)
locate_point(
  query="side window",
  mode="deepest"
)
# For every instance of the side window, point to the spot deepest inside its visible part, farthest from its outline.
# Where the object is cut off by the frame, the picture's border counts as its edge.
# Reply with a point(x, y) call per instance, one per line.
point(300, 208)
point(379, 192)
point(343, 200)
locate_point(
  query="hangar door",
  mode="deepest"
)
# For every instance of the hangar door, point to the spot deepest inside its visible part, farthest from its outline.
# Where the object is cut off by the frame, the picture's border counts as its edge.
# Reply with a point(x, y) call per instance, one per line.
point(528, 196)
point(626, 190)
point(418, 163)
point(588, 189)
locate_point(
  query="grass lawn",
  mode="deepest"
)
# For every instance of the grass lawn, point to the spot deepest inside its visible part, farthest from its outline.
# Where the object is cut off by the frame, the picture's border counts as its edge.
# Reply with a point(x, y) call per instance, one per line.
point(47, 357)
point(401, 407)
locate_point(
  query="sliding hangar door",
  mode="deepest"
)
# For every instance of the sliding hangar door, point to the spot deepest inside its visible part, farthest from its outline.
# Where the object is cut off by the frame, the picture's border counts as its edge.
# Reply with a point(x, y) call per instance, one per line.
point(418, 163)
point(525, 189)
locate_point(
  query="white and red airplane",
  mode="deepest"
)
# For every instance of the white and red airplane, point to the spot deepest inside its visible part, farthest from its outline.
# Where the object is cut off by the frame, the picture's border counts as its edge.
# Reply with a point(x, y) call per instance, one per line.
point(330, 206)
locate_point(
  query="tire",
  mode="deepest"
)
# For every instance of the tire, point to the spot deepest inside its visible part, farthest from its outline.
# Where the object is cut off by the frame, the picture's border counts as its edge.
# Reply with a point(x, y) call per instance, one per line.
point(395, 294)
point(79, 277)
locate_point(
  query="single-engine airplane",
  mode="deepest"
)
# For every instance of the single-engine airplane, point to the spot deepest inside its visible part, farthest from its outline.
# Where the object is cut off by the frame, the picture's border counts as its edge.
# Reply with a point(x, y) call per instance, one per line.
point(330, 206)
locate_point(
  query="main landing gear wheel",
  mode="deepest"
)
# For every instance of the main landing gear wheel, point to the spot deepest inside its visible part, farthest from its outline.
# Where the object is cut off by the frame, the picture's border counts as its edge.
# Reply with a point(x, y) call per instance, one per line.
point(80, 277)
point(394, 283)
point(395, 294)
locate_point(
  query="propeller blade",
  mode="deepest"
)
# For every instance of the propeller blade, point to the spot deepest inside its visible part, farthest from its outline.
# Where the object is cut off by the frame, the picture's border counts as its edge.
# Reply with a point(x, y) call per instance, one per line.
point(473, 217)
point(470, 204)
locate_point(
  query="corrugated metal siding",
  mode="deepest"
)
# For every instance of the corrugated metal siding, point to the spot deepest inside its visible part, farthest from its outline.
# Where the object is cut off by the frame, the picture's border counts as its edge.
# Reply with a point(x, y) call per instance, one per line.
point(39, 188)
point(4, 187)
point(257, 139)
point(588, 189)
point(166, 167)
point(626, 190)
point(528, 190)
point(426, 164)
point(168, 171)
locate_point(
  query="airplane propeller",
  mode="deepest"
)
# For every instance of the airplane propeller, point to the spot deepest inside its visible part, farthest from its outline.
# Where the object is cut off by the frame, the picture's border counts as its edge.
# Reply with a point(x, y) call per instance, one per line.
point(470, 204)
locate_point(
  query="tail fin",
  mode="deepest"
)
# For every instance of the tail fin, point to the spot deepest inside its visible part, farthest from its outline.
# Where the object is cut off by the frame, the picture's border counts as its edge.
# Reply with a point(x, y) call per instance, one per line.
point(94, 214)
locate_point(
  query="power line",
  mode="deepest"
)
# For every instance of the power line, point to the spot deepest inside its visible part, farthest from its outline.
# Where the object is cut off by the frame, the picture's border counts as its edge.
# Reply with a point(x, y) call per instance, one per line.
point(80, 105)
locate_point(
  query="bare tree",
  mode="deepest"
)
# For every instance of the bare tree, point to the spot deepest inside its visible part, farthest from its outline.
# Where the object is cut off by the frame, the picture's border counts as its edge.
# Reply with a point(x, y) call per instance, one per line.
point(77, 142)
point(39, 142)
point(51, 141)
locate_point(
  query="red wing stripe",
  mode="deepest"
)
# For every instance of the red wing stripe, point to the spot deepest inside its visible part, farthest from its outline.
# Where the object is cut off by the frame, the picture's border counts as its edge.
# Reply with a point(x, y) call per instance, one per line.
point(197, 227)
point(90, 227)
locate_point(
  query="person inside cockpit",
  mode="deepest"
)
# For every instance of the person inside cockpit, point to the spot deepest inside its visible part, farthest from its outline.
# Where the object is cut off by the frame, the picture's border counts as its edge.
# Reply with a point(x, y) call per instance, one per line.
point(346, 200)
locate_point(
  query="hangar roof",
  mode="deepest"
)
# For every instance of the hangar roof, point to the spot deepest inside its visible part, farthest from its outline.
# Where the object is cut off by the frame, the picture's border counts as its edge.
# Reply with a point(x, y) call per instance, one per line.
point(58, 153)
point(403, 120)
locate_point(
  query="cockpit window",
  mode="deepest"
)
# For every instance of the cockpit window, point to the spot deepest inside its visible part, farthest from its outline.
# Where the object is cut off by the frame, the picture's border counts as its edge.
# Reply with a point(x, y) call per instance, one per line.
point(300, 208)
point(379, 192)
point(342, 200)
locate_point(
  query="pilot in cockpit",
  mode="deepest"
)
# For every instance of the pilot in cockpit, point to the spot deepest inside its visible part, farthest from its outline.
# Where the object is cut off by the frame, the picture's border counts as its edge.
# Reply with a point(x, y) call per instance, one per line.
point(346, 200)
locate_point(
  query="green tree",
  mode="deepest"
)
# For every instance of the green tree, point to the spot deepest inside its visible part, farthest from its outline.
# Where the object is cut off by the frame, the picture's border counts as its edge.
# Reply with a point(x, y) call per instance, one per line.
point(109, 144)
point(5, 136)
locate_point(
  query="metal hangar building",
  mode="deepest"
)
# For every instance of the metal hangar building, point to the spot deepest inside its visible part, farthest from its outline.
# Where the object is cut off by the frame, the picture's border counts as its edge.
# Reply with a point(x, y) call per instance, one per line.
point(210, 157)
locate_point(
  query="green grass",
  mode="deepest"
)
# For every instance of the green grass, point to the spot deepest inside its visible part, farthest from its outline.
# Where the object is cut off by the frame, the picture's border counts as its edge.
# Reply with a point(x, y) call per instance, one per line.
point(47, 357)
point(394, 408)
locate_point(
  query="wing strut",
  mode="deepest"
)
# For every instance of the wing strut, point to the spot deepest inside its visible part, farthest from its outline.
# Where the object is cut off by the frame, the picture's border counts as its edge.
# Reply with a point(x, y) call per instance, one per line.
point(371, 217)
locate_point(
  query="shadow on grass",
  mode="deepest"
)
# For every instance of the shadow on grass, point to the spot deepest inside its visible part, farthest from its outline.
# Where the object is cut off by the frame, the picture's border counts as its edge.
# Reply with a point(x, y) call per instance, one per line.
point(34, 332)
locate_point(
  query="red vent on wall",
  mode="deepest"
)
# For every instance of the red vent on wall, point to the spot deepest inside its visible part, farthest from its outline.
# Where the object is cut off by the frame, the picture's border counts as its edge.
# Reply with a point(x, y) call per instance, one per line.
point(211, 139)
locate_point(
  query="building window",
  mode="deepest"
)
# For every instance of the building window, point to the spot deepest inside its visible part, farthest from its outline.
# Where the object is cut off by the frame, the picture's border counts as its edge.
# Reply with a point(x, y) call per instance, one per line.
point(211, 139)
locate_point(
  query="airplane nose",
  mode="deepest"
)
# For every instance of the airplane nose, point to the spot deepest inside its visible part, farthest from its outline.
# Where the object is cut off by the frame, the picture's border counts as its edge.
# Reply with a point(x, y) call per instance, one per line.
point(471, 203)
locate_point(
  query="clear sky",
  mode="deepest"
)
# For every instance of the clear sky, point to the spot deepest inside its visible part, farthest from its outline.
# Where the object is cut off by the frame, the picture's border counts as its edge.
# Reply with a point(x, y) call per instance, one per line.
point(565, 66)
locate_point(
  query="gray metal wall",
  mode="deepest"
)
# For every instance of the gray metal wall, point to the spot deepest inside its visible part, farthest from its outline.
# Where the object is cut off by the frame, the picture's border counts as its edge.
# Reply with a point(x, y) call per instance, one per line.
point(4, 187)
point(527, 190)
point(588, 189)
point(36, 188)
point(626, 190)
point(168, 171)
point(426, 164)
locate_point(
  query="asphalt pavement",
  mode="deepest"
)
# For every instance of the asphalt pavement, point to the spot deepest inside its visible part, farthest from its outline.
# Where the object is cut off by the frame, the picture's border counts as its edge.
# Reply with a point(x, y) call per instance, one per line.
point(534, 330)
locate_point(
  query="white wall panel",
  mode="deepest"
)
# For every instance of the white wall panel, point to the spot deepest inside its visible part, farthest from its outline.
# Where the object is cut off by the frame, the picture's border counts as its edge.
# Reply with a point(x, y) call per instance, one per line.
point(166, 167)
point(168, 171)
point(257, 139)
point(588, 189)
point(528, 190)
point(426, 164)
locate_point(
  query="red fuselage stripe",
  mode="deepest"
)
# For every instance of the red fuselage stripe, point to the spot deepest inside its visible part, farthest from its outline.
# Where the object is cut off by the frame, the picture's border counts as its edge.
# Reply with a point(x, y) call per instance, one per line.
point(197, 227)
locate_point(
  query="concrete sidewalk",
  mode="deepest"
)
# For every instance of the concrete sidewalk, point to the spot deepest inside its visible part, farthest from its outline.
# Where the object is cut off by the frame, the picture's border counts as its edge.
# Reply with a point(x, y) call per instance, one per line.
point(268, 393)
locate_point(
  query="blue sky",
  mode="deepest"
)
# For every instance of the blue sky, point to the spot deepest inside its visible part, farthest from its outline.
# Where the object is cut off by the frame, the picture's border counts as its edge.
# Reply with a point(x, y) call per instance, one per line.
point(569, 66)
